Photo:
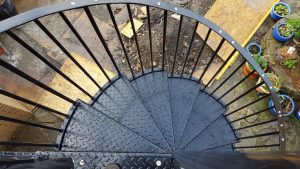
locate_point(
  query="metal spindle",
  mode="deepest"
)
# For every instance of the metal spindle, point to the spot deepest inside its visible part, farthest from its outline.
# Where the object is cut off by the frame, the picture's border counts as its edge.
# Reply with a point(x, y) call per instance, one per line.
point(233, 73)
point(12, 143)
point(30, 49)
point(219, 70)
point(29, 123)
point(259, 135)
point(112, 17)
point(257, 124)
point(260, 146)
point(67, 21)
point(34, 81)
point(261, 111)
point(249, 104)
point(164, 39)
point(177, 43)
point(150, 37)
point(135, 37)
point(201, 50)
point(212, 58)
point(66, 52)
point(236, 85)
point(98, 32)
point(189, 49)
point(31, 103)
point(242, 95)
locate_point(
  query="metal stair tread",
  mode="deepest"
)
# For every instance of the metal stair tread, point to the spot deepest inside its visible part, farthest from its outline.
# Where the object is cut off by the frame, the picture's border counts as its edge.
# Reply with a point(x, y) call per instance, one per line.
point(91, 130)
point(153, 90)
point(183, 93)
point(205, 110)
point(121, 103)
point(98, 160)
point(219, 133)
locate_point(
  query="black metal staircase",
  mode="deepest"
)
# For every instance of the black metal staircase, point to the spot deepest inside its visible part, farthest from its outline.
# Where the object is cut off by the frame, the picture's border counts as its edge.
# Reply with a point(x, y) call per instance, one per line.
point(141, 119)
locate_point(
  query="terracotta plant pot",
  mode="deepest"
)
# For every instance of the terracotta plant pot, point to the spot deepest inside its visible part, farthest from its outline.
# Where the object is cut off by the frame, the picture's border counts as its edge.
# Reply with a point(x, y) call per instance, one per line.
point(247, 71)
point(261, 89)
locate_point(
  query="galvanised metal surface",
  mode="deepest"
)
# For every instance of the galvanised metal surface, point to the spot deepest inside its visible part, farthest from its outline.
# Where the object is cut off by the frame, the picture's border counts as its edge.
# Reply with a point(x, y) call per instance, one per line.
point(153, 89)
point(91, 130)
point(219, 133)
point(98, 160)
point(205, 110)
point(183, 93)
point(121, 102)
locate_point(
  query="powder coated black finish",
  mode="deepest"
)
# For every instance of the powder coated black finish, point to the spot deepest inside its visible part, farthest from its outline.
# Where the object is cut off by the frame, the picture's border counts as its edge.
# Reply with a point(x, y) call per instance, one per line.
point(121, 102)
point(153, 89)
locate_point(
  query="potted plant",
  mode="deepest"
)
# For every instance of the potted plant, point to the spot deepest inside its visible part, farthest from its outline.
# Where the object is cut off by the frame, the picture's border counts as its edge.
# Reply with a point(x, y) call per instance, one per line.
point(294, 21)
point(7, 9)
point(261, 60)
point(254, 48)
point(283, 32)
point(288, 57)
point(275, 80)
point(280, 10)
point(287, 103)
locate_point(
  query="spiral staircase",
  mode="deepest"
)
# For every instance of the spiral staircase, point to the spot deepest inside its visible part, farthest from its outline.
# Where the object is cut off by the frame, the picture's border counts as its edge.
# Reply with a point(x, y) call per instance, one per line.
point(147, 118)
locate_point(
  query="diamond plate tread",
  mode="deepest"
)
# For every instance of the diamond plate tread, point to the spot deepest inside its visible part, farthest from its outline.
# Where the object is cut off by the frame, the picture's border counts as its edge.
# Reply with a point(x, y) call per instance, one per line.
point(98, 160)
point(217, 134)
point(121, 103)
point(205, 110)
point(91, 130)
point(183, 93)
point(153, 89)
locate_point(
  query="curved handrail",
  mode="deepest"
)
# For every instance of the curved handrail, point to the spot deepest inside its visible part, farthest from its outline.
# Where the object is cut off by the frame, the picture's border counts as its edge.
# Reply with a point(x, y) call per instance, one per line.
point(32, 15)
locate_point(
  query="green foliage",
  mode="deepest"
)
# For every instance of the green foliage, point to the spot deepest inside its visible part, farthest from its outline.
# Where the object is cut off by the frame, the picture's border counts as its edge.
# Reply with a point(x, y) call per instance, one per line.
point(285, 30)
point(294, 22)
point(281, 10)
point(261, 60)
point(291, 64)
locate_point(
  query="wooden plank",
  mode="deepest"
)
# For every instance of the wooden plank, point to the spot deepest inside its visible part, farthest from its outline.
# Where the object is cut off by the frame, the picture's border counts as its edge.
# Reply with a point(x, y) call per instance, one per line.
point(61, 85)
point(239, 18)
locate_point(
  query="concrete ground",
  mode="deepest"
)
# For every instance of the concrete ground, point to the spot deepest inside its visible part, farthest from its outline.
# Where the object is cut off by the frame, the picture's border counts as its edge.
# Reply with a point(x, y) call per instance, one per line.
point(77, 17)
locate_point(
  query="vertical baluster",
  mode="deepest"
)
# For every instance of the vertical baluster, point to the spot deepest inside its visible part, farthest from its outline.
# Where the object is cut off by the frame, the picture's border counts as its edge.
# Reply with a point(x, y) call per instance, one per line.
point(164, 39)
point(31, 103)
point(219, 70)
point(8, 119)
point(249, 104)
point(34, 81)
point(26, 46)
point(66, 20)
point(189, 49)
point(150, 37)
point(212, 58)
point(66, 52)
point(236, 85)
point(99, 34)
point(201, 50)
point(135, 37)
point(242, 95)
point(112, 17)
point(177, 43)
point(233, 73)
